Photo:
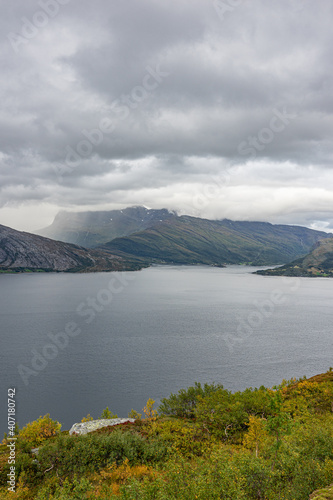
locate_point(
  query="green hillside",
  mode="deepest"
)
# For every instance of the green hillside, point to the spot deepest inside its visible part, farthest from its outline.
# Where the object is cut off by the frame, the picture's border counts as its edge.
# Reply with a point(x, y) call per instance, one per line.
point(189, 240)
point(319, 262)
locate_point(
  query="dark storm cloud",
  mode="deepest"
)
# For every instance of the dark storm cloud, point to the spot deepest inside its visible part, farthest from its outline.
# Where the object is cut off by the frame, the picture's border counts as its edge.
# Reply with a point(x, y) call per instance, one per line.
point(145, 101)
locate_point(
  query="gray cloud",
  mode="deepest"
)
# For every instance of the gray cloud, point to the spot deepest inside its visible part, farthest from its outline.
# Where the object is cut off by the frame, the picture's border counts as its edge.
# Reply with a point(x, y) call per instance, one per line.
point(106, 104)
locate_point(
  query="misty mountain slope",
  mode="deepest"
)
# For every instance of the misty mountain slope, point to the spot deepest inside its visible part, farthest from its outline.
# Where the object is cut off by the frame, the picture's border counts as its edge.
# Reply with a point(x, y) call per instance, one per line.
point(25, 251)
point(319, 262)
point(189, 240)
point(90, 229)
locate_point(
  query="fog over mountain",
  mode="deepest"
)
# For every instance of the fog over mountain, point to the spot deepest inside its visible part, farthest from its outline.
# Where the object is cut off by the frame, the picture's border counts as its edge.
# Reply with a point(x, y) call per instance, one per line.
point(215, 109)
point(143, 236)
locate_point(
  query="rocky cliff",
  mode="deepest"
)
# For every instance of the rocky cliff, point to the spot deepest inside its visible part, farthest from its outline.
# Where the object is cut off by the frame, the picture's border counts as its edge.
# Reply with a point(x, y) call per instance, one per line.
point(20, 251)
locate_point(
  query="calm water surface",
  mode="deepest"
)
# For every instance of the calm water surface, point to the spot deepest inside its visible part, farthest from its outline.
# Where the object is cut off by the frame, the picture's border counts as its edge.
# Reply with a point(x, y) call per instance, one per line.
point(149, 333)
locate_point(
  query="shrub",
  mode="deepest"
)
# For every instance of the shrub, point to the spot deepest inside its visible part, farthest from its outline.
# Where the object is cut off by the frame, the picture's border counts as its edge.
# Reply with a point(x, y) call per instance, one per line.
point(149, 411)
point(34, 433)
point(221, 414)
point(181, 437)
point(70, 455)
point(25, 469)
point(134, 414)
point(184, 403)
point(68, 490)
point(88, 418)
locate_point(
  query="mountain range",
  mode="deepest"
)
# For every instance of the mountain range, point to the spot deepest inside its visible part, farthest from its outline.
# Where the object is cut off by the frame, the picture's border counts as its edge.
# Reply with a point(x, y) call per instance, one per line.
point(144, 236)
point(137, 237)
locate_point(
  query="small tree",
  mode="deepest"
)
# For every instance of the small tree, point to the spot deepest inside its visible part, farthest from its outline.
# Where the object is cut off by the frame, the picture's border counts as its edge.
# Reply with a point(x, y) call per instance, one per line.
point(279, 421)
point(134, 414)
point(256, 434)
point(107, 414)
point(148, 410)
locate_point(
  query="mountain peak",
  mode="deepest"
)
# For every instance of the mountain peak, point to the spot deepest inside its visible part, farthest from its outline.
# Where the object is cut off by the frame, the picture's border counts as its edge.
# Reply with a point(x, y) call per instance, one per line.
point(90, 229)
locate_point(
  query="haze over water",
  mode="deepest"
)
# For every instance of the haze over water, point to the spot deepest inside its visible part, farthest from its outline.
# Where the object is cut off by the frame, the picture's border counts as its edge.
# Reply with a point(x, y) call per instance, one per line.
point(164, 329)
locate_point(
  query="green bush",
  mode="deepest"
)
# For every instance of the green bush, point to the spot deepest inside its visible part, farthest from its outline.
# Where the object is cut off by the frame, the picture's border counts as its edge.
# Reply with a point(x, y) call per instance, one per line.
point(70, 455)
point(202, 480)
point(221, 414)
point(184, 403)
point(24, 465)
point(68, 490)
point(313, 439)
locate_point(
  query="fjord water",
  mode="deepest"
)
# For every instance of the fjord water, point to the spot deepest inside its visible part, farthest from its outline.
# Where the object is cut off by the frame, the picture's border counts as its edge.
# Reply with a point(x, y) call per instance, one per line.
point(152, 333)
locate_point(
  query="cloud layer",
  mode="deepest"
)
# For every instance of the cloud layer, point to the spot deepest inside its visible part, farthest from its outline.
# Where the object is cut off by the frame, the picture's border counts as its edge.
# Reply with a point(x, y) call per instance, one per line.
point(213, 108)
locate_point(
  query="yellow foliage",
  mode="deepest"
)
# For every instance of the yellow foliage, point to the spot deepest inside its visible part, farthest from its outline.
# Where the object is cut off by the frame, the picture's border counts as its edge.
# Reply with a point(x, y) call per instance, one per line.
point(256, 434)
point(88, 418)
point(124, 471)
point(36, 432)
point(148, 410)
point(182, 437)
point(309, 395)
point(118, 475)
point(22, 492)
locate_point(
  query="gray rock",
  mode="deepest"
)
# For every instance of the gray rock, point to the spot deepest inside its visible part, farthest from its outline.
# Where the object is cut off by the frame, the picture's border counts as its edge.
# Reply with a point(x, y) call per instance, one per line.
point(93, 425)
point(20, 251)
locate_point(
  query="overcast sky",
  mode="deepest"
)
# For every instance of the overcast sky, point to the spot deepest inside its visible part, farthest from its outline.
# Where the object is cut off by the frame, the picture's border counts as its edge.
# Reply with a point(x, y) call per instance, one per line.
point(214, 109)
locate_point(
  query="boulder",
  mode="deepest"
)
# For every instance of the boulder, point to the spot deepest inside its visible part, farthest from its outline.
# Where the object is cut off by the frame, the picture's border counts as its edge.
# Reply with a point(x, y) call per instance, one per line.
point(93, 425)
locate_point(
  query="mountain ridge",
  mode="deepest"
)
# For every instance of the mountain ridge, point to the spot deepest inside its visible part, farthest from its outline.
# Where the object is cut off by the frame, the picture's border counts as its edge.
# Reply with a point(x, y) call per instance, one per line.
point(147, 236)
point(189, 240)
point(22, 251)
